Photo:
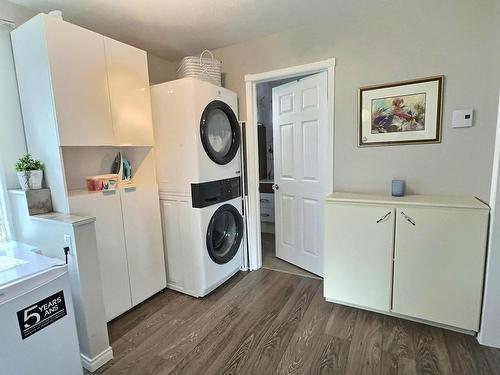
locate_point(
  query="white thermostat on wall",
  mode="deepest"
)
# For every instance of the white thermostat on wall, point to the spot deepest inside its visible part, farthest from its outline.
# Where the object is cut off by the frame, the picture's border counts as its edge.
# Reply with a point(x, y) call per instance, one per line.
point(462, 118)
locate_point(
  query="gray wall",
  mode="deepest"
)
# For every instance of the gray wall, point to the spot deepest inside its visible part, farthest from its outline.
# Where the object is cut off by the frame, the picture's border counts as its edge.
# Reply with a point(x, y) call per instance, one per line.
point(160, 70)
point(12, 143)
point(386, 41)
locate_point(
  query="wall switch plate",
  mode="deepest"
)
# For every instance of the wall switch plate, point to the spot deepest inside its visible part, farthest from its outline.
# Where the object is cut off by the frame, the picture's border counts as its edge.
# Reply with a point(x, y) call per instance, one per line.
point(462, 118)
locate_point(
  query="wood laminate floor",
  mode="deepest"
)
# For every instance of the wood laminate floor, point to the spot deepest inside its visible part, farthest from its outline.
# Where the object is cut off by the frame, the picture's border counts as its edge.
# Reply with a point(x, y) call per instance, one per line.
point(272, 262)
point(269, 322)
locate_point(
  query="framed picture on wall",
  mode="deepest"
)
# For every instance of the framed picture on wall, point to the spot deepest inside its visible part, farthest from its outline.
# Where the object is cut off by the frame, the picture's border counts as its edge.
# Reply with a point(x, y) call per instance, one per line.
point(401, 113)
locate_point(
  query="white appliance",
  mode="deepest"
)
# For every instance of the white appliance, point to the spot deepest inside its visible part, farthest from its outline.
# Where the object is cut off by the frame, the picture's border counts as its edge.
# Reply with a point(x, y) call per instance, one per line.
point(197, 134)
point(36, 315)
point(197, 147)
point(203, 236)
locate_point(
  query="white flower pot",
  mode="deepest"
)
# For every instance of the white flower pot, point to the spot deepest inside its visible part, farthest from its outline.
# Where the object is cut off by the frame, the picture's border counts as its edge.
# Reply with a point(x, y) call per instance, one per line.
point(30, 179)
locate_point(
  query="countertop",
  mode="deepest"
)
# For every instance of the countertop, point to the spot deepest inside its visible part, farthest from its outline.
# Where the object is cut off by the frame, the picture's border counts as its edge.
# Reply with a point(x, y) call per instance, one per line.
point(75, 220)
point(410, 200)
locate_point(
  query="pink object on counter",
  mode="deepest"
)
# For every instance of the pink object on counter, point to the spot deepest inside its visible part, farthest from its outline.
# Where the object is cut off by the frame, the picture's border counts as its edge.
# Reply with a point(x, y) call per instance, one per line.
point(102, 182)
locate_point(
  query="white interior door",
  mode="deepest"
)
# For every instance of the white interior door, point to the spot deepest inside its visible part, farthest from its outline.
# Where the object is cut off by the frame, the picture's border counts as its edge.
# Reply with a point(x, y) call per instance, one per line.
point(300, 137)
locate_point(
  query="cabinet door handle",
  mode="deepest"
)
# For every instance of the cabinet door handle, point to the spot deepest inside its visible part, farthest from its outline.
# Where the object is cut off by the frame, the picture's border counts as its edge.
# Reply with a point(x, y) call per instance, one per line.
point(263, 200)
point(384, 217)
point(410, 220)
point(265, 215)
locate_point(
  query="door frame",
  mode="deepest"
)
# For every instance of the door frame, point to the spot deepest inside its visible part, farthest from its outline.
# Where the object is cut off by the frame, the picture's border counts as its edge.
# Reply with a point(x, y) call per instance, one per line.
point(252, 167)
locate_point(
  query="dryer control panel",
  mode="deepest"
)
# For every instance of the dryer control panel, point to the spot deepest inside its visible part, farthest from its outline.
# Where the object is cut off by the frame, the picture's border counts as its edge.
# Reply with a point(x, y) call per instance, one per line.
point(213, 192)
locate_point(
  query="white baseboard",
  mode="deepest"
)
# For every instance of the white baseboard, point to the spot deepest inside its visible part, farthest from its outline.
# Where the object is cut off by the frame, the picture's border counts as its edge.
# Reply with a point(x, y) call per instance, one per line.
point(92, 364)
point(396, 315)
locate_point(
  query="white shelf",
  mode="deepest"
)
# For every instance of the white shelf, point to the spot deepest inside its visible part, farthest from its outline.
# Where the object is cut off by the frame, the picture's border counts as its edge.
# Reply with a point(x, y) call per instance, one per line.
point(110, 145)
point(80, 192)
point(80, 162)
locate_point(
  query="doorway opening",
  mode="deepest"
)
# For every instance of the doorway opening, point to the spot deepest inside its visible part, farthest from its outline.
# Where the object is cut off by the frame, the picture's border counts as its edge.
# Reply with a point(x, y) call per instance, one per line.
point(264, 93)
point(270, 229)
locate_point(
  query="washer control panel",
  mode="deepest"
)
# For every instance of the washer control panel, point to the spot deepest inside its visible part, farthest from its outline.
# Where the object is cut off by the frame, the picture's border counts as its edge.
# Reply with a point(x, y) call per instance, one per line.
point(208, 193)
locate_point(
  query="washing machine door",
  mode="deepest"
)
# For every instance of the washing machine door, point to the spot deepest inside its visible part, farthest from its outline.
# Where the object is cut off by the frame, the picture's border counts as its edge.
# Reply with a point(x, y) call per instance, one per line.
point(224, 234)
point(220, 132)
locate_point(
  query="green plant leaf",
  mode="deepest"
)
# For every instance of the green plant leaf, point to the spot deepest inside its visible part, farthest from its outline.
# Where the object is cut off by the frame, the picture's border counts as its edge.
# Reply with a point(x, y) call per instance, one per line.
point(27, 163)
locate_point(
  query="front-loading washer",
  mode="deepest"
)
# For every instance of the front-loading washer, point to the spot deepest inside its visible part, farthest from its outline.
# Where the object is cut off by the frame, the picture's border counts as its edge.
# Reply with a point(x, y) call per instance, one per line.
point(203, 239)
point(222, 226)
point(222, 243)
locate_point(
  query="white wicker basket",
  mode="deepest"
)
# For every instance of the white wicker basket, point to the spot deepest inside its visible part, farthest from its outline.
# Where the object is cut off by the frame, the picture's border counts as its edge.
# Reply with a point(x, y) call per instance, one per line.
point(201, 67)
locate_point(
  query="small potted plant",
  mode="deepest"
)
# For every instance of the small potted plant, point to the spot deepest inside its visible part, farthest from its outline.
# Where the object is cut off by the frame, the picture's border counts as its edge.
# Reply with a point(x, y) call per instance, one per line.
point(29, 172)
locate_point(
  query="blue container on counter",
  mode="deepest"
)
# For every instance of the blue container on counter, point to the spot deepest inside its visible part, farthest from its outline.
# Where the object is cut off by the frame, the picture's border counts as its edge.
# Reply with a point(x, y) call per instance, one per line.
point(398, 188)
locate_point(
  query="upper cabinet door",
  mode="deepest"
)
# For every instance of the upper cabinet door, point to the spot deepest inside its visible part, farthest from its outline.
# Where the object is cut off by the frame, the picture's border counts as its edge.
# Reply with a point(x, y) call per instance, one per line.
point(79, 83)
point(129, 92)
point(438, 265)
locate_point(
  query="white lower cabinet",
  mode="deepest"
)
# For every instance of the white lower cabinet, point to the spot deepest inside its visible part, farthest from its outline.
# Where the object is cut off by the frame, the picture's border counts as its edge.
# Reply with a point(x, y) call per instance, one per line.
point(176, 228)
point(129, 244)
point(417, 256)
point(110, 247)
point(439, 263)
point(144, 241)
point(267, 207)
point(363, 241)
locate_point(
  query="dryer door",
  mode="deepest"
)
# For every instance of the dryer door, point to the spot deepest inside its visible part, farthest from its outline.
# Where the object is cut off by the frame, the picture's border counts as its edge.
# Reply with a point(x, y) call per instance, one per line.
point(220, 132)
point(224, 234)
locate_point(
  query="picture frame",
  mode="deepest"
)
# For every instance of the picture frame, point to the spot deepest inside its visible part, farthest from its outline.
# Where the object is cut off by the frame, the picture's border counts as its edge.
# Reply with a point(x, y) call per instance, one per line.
point(401, 113)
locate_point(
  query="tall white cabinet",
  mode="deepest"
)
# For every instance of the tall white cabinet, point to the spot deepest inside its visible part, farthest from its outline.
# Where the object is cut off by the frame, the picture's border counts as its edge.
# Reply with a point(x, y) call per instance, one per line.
point(417, 256)
point(85, 97)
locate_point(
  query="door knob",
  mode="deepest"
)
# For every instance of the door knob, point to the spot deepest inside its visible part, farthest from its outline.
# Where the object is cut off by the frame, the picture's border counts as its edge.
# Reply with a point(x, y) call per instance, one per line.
point(276, 187)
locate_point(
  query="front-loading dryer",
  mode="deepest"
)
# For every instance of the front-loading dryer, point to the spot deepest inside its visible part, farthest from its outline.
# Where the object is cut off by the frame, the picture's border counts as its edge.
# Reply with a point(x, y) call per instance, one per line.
point(197, 133)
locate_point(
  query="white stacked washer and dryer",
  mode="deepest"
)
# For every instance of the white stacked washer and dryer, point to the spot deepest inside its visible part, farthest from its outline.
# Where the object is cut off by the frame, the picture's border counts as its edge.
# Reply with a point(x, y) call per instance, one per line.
point(197, 148)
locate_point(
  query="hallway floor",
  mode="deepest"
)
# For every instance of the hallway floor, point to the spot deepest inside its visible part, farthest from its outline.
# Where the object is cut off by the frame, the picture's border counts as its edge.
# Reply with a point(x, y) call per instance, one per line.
point(271, 262)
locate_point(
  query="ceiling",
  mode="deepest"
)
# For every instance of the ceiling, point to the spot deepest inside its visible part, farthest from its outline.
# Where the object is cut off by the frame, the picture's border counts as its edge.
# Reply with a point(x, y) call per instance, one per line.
point(174, 28)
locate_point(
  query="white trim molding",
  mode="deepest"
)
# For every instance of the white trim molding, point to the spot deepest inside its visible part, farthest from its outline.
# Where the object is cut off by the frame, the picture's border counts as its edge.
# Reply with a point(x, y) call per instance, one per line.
point(292, 71)
point(251, 81)
point(92, 364)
